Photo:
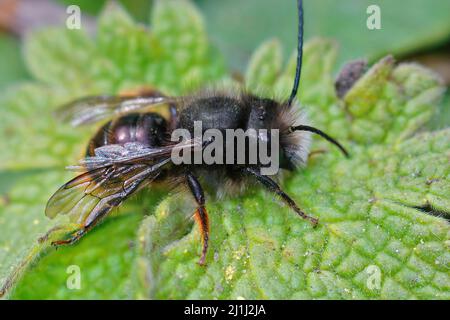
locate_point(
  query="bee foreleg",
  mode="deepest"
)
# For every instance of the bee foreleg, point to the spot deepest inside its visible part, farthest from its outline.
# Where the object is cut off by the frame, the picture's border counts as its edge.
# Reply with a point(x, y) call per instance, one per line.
point(272, 186)
point(201, 215)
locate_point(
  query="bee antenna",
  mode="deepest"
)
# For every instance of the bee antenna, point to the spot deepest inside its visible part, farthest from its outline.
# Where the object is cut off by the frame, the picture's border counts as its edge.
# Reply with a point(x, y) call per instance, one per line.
point(298, 68)
point(323, 135)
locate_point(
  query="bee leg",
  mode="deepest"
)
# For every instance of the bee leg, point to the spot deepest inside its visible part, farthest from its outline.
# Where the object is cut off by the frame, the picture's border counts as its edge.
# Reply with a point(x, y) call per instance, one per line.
point(74, 237)
point(84, 228)
point(201, 215)
point(49, 233)
point(272, 186)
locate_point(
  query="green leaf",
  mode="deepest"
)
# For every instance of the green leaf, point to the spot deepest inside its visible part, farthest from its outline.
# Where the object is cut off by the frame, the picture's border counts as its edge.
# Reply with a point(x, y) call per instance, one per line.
point(35, 139)
point(442, 118)
point(22, 223)
point(187, 60)
point(383, 230)
point(264, 68)
point(105, 280)
point(72, 48)
point(389, 104)
point(166, 226)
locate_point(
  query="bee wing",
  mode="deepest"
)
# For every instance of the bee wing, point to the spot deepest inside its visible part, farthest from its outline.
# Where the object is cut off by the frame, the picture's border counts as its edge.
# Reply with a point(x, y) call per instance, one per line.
point(92, 109)
point(109, 178)
point(96, 192)
point(131, 153)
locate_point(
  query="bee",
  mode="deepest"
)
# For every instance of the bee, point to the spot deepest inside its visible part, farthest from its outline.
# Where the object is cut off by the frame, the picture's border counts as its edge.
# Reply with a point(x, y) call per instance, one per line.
point(133, 150)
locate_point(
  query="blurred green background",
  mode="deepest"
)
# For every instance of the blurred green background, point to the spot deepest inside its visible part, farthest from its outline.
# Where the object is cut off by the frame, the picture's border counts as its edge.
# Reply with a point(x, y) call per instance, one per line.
point(413, 30)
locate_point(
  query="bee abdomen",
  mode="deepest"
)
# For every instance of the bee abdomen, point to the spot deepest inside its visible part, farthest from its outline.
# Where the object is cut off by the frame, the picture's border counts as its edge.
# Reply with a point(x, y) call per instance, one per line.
point(146, 128)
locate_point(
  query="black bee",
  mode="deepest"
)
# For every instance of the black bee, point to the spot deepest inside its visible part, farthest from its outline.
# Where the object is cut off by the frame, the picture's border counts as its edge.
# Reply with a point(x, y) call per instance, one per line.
point(133, 150)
